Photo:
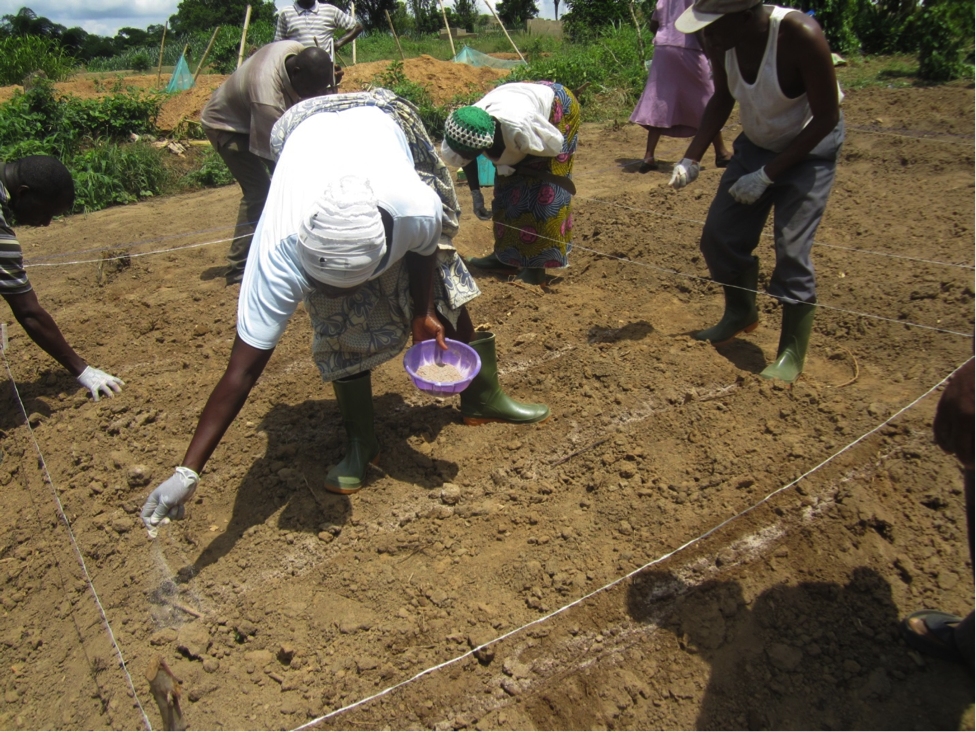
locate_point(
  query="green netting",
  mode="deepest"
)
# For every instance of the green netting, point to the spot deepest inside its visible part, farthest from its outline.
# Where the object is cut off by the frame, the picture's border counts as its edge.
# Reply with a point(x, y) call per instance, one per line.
point(182, 78)
point(469, 56)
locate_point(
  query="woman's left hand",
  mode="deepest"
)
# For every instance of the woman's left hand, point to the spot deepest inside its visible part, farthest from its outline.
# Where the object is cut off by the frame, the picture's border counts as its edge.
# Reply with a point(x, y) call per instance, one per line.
point(427, 327)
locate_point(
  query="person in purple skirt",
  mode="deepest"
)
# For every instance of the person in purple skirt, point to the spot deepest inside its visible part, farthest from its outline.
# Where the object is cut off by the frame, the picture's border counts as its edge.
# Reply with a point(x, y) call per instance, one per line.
point(679, 85)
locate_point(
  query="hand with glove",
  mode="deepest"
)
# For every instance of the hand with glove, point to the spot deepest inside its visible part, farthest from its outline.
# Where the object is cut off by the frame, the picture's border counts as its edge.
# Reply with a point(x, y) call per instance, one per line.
point(684, 173)
point(478, 201)
point(749, 188)
point(168, 502)
point(96, 380)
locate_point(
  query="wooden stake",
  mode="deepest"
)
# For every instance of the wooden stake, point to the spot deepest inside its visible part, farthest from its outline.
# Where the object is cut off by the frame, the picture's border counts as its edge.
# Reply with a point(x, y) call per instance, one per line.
point(203, 59)
point(640, 38)
point(352, 12)
point(247, 22)
point(395, 37)
point(162, 47)
point(447, 27)
point(505, 31)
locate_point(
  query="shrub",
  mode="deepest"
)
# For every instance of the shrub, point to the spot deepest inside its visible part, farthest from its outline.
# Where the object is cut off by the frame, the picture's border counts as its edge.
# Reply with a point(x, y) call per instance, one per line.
point(63, 122)
point(109, 174)
point(432, 115)
point(612, 61)
point(212, 173)
point(944, 31)
point(21, 55)
point(140, 61)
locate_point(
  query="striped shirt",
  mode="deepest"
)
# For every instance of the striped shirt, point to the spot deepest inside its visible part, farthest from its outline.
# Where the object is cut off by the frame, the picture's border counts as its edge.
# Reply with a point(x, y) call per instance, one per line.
point(13, 278)
point(313, 27)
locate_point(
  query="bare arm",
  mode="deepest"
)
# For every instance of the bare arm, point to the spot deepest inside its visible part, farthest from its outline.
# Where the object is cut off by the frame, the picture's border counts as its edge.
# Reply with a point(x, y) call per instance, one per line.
point(425, 322)
point(717, 110)
point(350, 36)
point(808, 49)
point(42, 329)
point(472, 175)
point(245, 366)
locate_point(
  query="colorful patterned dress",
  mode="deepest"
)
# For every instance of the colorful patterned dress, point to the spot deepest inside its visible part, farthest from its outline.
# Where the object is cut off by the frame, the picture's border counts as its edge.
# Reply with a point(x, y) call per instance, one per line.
point(533, 218)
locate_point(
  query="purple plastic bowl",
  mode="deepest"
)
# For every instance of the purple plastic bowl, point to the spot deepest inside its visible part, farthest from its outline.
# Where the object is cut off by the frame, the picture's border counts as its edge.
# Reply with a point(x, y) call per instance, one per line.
point(459, 355)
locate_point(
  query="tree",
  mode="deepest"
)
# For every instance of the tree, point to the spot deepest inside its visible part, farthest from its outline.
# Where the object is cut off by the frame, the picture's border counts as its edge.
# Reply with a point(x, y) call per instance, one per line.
point(372, 13)
point(205, 15)
point(28, 23)
point(426, 16)
point(585, 17)
point(514, 13)
point(466, 12)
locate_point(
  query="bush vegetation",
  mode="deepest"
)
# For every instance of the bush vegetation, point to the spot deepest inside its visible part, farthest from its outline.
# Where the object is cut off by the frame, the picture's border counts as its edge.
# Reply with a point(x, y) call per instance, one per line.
point(20, 56)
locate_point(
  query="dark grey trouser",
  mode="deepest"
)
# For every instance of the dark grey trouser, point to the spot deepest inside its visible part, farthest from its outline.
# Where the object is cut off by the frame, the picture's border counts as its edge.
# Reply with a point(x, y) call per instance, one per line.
point(798, 200)
point(253, 173)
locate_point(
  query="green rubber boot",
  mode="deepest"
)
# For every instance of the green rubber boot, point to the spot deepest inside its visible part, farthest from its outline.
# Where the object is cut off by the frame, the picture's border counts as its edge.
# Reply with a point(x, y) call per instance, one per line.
point(793, 341)
point(740, 310)
point(484, 401)
point(492, 264)
point(355, 398)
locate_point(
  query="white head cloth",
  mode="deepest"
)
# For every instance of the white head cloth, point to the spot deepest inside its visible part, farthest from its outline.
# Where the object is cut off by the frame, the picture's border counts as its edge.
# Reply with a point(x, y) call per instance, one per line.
point(342, 238)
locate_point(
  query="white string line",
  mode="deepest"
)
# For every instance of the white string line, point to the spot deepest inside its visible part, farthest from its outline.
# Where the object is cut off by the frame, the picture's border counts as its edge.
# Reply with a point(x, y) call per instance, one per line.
point(34, 263)
point(43, 257)
point(667, 270)
point(966, 141)
point(129, 256)
point(771, 236)
point(630, 574)
point(74, 546)
point(766, 294)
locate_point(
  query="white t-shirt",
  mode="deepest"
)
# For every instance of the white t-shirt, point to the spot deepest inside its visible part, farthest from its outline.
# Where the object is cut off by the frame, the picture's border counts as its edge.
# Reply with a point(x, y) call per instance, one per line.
point(363, 141)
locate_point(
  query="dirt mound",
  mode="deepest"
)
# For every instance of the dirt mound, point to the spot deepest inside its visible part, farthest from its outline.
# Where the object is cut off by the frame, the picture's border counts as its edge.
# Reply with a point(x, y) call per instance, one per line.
point(444, 79)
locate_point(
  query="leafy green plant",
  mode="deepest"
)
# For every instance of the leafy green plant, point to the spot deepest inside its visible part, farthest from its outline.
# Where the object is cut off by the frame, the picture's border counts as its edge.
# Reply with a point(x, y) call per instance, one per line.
point(141, 61)
point(611, 64)
point(21, 55)
point(110, 174)
point(211, 173)
point(432, 115)
point(945, 36)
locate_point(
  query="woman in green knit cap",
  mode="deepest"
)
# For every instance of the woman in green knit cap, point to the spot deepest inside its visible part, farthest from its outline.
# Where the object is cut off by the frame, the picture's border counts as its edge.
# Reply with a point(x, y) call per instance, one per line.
point(529, 131)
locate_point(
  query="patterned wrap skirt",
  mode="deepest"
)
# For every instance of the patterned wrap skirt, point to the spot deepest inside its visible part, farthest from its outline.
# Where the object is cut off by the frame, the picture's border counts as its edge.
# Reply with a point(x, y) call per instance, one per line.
point(358, 333)
point(533, 218)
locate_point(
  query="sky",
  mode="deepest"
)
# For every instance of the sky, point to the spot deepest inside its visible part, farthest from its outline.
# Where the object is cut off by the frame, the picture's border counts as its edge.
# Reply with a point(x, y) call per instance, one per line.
point(105, 17)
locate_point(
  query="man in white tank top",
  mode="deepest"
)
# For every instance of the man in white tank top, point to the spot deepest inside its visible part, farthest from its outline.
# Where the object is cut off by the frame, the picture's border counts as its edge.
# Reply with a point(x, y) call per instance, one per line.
point(775, 62)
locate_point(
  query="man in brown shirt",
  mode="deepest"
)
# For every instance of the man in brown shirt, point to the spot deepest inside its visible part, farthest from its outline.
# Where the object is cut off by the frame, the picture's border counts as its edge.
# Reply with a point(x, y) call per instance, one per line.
point(238, 120)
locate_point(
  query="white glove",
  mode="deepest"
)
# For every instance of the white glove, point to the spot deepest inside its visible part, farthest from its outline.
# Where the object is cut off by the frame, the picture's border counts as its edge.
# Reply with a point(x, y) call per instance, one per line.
point(750, 187)
point(478, 199)
point(166, 503)
point(684, 173)
point(95, 380)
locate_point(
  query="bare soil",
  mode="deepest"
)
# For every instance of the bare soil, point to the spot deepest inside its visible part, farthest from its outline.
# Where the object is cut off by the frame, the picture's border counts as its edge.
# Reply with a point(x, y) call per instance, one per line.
point(276, 602)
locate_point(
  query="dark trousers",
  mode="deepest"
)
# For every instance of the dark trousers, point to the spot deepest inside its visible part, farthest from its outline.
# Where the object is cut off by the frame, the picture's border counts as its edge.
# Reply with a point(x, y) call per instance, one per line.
point(797, 199)
point(253, 174)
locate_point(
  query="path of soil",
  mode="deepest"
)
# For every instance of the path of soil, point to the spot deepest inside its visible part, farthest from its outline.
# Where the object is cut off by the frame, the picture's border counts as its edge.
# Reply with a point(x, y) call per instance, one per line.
point(785, 617)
